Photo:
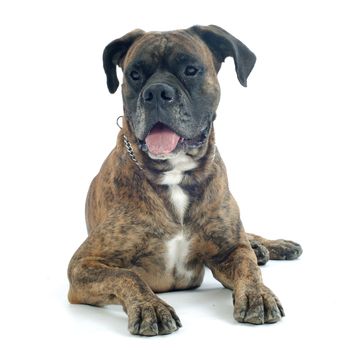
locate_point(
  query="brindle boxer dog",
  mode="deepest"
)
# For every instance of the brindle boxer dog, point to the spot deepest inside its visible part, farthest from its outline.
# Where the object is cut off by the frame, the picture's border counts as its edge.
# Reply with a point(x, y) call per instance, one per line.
point(160, 210)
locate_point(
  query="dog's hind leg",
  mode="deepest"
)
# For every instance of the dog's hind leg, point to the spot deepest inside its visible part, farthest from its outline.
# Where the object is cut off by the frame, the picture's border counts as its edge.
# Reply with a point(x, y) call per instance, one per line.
point(278, 249)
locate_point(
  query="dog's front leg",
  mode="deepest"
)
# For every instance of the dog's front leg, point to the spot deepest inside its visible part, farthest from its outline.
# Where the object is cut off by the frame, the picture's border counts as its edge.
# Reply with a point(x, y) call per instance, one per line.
point(94, 282)
point(236, 268)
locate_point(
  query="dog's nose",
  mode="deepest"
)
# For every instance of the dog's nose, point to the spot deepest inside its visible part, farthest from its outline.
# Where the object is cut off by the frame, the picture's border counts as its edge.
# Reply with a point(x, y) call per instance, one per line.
point(158, 93)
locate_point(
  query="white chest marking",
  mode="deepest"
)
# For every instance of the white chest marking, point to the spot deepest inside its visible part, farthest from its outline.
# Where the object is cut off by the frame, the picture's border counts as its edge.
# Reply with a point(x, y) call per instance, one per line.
point(173, 177)
point(179, 199)
point(180, 164)
point(178, 248)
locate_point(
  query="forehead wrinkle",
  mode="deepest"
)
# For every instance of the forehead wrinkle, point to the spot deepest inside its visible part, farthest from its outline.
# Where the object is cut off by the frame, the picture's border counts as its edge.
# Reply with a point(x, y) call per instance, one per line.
point(162, 45)
point(158, 45)
point(190, 44)
point(146, 43)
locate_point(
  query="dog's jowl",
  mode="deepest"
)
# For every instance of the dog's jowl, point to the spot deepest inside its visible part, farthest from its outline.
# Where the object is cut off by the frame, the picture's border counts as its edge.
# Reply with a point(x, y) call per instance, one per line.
point(160, 210)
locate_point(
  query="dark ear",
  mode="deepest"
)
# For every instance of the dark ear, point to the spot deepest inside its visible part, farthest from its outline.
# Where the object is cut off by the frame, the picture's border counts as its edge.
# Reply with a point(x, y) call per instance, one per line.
point(223, 44)
point(113, 55)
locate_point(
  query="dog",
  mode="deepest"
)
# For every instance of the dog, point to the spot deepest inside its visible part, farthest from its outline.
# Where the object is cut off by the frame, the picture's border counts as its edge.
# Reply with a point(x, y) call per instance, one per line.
point(160, 210)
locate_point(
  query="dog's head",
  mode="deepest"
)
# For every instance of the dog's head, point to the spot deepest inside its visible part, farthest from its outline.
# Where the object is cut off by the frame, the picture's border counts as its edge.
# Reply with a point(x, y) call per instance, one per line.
point(170, 87)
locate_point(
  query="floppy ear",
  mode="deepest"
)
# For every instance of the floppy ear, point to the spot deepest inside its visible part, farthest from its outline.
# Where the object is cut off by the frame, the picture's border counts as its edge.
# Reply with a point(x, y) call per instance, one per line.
point(113, 55)
point(223, 44)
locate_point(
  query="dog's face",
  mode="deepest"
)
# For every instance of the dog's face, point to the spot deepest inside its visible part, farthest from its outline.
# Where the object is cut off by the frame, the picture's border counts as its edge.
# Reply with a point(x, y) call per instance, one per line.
point(170, 87)
point(170, 91)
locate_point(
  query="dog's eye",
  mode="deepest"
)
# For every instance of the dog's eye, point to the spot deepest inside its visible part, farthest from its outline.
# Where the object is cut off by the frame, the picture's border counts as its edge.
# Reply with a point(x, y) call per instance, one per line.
point(191, 71)
point(135, 75)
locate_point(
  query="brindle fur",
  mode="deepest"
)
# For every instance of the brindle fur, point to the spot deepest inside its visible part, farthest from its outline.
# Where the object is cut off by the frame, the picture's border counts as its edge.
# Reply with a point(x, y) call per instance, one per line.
point(130, 218)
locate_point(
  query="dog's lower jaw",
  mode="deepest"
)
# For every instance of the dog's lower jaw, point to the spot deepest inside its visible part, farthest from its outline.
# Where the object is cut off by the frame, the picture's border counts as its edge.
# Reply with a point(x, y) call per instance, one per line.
point(169, 156)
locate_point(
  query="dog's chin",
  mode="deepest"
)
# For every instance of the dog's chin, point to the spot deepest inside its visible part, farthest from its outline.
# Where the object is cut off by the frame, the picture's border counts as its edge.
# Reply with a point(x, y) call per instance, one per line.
point(169, 156)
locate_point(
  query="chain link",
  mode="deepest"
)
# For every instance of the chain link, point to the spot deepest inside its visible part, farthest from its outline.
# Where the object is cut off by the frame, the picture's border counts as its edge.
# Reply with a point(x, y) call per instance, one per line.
point(130, 151)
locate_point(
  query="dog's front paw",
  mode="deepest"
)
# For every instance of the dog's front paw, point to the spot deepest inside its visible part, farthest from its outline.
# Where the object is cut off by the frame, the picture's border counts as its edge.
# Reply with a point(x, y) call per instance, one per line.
point(282, 249)
point(152, 317)
point(256, 305)
point(261, 252)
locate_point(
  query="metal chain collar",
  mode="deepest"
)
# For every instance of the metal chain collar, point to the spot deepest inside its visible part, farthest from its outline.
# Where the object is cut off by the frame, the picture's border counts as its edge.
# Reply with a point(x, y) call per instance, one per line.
point(128, 147)
point(130, 151)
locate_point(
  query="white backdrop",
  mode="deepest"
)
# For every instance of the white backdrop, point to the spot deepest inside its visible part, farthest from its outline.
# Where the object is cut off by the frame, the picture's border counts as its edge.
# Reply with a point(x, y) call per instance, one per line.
point(285, 141)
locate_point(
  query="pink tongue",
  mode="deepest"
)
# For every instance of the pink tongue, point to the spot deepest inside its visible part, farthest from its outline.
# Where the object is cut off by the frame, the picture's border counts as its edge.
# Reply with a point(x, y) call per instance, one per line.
point(161, 140)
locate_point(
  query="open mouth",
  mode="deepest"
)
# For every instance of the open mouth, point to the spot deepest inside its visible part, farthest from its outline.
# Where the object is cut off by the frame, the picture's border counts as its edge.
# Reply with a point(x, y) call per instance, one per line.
point(161, 140)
